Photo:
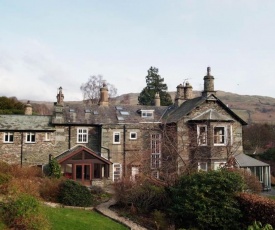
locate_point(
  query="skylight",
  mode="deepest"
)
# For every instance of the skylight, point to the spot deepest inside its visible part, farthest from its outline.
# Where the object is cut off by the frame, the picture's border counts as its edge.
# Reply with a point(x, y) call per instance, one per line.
point(71, 110)
point(120, 118)
point(95, 112)
point(87, 110)
point(124, 113)
point(119, 108)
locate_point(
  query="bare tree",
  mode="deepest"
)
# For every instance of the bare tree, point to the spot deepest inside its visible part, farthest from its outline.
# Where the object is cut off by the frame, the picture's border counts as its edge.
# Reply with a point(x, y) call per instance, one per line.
point(91, 89)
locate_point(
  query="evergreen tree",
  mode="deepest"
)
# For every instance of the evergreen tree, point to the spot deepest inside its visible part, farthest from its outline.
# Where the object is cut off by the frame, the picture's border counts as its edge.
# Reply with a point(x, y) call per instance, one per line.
point(154, 84)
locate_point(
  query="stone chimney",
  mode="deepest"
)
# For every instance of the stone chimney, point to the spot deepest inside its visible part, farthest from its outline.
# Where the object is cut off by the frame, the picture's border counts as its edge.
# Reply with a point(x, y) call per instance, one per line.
point(28, 108)
point(208, 84)
point(157, 99)
point(188, 91)
point(60, 97)
point(104, 97)
point(179, 99)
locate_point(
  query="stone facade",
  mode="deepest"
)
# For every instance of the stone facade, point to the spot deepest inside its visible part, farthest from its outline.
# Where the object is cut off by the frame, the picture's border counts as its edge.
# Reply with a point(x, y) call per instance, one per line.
point(132, 138)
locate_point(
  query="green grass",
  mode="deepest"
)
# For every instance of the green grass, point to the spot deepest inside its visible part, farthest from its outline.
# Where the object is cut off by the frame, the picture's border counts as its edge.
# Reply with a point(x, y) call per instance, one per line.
point(66, 218)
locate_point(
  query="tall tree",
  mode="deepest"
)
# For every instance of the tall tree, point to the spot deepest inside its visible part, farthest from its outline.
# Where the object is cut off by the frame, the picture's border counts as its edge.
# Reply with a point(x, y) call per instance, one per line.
point(155, 84)
point(91, 89)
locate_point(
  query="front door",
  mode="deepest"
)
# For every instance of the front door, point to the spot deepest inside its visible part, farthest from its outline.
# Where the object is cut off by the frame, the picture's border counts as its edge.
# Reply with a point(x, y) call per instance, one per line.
point(83, 173)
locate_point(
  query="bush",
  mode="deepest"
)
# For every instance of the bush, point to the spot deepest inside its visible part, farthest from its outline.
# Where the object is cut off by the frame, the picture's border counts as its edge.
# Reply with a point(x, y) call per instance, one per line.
point(4, 182)
point(49, 189)
point(144, 195)
point(206, 200)
point(258, 208)
point(74, 194)
point(54, 169)
point(23, 212)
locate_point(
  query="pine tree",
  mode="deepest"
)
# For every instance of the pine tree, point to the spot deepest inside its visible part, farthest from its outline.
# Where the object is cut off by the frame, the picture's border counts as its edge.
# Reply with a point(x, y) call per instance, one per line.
point(154, 84)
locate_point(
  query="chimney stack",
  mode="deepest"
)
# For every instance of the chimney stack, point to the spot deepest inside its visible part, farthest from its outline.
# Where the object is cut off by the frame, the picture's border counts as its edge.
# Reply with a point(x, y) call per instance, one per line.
point(188, 91)
point(60, 97)
point(28, 108)
point(157, 99)
point(104, 97)
point(208, 84)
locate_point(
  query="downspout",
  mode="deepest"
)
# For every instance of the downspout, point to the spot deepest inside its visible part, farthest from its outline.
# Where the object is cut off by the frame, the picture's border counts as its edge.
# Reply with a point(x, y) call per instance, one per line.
point(21, 154)
point(69, 144)
point(124, 151)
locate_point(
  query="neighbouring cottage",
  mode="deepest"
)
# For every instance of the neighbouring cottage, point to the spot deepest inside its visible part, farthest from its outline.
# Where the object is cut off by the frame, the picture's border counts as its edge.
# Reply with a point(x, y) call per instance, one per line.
point(100, 143)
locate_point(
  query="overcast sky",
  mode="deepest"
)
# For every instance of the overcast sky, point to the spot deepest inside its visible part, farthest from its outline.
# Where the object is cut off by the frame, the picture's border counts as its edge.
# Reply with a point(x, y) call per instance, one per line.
point(53, 43)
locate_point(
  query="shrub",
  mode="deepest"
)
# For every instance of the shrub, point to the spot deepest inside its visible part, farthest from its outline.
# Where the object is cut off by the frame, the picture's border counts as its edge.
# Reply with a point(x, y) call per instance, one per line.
point(205, 200)
point(258, 208)
point(74, 194)
point(144, 195)
point(4, 182)
point(54, 169)
point(257, 225)
point(4, 167)
point(23, 212)
point(49, 189)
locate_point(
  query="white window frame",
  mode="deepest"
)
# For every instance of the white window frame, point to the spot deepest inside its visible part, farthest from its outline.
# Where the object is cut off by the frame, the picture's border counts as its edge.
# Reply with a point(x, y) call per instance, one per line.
point(82, 135)
point(135, 135)
point(147, 113)
point(200, 168)
point(30, 137)
point(202, 136)
point(117, 171)
point(9, 136)
point(155, 151)
point(220, 139)
point(219, 165)
point(115, 136)
point(47, 136)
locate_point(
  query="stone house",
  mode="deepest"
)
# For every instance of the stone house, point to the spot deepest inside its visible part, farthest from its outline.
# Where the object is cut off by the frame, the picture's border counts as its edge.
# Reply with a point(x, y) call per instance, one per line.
point(105, 142)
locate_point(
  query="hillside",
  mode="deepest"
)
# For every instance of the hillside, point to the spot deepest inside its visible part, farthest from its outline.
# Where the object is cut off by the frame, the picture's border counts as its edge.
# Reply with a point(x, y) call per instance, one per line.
point(258, 109)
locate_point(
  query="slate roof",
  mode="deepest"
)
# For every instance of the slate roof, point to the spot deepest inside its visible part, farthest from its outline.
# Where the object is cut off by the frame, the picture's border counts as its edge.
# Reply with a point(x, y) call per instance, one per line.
point(25, 123)
point(246, 161)
point(75, 150)
point(95, 114)
point(174, 114)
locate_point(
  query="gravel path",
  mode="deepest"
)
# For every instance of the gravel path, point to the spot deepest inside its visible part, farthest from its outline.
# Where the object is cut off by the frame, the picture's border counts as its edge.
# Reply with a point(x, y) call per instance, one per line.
point(104, 209)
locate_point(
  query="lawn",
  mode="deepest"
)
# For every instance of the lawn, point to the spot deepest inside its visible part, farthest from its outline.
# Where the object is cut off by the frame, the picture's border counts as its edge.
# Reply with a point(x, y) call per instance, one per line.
point(66, 218)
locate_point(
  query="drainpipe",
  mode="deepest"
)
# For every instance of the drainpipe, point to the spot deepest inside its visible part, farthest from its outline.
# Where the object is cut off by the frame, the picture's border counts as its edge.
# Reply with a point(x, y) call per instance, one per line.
point(21, 155)
point(69, 146)
point(124, 150)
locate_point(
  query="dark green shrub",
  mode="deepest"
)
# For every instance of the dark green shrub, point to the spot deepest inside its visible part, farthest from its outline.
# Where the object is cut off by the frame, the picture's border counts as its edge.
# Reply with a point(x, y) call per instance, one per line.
point(257, 225)
point(206, 200)
point(23, 212)
point(54, 169)
point(74, 194)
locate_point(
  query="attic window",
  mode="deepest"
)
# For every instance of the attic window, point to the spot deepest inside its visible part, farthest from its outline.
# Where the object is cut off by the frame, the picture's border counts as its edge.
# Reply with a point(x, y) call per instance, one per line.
point(95, 112)
point(120, 118)
point(124, 113)
point(119, 108)
point(147, 113)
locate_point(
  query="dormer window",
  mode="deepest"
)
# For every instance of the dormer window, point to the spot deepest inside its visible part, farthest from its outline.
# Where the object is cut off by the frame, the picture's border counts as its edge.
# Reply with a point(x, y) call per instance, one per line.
point(147, 113)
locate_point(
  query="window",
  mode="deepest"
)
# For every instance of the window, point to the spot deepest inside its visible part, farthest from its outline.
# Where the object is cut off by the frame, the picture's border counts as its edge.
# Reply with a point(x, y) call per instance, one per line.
point(116, 138)
point(133, 135)
point(219, 136)
point(156, 150)
point(202, 166)
point(8, 137)
point(147, 113)
point(117, 170)
point(30, 137)
point(82, 135)
point(47, 136)
point(202, 134)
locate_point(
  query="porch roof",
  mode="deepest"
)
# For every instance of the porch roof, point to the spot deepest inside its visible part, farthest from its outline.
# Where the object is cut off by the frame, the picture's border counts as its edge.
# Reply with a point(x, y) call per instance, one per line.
point(246, 161)
point(77, 149)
